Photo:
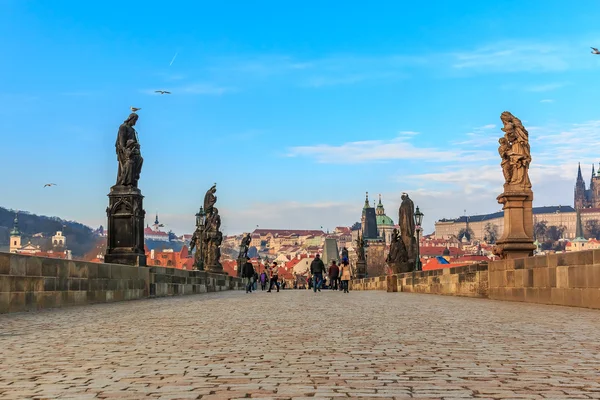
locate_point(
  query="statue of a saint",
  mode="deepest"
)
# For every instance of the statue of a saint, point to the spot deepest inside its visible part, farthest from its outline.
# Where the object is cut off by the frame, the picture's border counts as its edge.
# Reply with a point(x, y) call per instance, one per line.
point(245, 246)
point(504, 151)
point(210, 199)
point(197, 242)
point(360, 248)
point(397, 252)
point(519, 155)
point(128, 153)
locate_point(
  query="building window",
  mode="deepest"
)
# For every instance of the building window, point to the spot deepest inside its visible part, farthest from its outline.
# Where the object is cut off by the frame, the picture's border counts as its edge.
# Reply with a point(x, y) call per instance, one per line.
point(55, 242)
point(15, 243)
point(169, 263)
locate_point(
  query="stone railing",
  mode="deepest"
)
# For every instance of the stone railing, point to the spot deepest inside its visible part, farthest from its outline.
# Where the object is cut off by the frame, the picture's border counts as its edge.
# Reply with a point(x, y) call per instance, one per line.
point(568, 279)
point(470, 281)
point(31, 283)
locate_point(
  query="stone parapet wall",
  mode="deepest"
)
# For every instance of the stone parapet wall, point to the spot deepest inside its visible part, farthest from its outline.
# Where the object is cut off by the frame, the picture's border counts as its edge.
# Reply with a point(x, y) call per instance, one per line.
point(470, 281)
point(567, 279)
point(30, 283)
point(173, 282)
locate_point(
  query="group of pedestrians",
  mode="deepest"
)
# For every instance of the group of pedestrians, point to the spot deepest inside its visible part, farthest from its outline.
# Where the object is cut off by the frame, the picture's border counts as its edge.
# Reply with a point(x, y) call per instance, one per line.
point(270, 276)
point(338, 275)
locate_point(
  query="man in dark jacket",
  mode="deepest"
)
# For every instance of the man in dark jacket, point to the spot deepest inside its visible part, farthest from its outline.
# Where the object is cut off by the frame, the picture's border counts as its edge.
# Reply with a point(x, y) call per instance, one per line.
point(248, 274)
point(317, 269)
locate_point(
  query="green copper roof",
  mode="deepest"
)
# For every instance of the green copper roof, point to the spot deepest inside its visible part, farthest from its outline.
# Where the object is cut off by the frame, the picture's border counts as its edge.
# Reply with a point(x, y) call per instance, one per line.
point(384, 220)
point(15, 230)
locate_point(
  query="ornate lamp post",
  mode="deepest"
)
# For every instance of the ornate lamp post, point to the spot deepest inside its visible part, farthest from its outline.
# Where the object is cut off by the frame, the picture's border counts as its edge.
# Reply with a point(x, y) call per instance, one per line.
point(418, 221)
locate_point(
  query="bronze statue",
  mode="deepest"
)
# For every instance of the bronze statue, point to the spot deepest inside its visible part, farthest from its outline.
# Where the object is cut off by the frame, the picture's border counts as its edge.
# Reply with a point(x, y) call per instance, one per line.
point(245, 246)
point(515, 151)
point(128, 153)
point(406, 220)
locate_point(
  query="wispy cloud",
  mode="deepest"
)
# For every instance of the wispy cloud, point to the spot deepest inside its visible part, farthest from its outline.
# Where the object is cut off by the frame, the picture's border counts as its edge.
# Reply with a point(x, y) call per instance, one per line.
point(545, 87)
point(399, 148)
point(547, 101)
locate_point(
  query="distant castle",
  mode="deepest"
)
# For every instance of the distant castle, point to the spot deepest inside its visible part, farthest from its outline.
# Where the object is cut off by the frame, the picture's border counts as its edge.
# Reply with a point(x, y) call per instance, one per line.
point(587, 198)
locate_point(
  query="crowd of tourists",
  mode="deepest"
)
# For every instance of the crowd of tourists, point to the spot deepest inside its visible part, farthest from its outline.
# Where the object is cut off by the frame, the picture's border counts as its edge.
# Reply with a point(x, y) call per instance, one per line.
point(338, 276)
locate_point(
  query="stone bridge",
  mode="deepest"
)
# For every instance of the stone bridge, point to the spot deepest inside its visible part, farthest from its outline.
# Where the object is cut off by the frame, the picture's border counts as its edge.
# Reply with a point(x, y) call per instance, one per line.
point(297, 344)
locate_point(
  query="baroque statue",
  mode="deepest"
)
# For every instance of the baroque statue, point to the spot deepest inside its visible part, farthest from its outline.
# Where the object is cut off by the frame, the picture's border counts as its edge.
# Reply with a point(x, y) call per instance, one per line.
point(360, 248)
point(406, 220)
point(212, 236)
point(398, 256)
point(128, 153)
point(197, 242)
point(514, 151)
point(245, 246)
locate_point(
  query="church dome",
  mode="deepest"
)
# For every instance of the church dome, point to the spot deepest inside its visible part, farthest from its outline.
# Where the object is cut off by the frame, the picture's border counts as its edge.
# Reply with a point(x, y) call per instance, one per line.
point(384, 220)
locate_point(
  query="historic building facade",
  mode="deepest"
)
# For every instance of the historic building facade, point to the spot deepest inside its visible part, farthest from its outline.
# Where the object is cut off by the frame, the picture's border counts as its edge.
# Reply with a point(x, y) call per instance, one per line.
point(587, 197)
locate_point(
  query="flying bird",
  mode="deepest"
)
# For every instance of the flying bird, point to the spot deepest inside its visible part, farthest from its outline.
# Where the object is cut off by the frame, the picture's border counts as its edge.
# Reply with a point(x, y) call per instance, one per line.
point(594, 50)
point(50, 184)
point(162, 92)
point(134, 109)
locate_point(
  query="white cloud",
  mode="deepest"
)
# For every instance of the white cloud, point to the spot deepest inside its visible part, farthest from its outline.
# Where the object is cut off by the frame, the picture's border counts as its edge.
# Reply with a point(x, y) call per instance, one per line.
point(547, 87)
point(547, 101)
point(398, 148)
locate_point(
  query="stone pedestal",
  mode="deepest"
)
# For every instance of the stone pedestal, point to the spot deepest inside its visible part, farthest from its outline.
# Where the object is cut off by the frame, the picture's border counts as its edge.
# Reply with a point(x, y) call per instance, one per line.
point(361, 269)
point(517, 237)
point(125, 229)
point(215, 268)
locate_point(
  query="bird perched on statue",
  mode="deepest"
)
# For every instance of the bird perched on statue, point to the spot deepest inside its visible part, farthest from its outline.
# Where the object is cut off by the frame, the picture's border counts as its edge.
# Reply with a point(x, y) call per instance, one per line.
point(162, 92)
point(134, 109)
point(595, 50)
point(50, 184)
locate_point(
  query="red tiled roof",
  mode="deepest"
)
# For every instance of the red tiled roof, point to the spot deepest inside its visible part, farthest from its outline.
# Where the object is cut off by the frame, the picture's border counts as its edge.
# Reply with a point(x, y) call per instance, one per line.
point(432, 251)
point(287, 232)
point(149, 231)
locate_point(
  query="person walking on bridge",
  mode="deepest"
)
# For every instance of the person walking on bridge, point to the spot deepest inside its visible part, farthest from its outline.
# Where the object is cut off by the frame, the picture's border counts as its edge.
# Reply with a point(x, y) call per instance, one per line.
point(317, 269)
point(345, 275)
point(274, 276)
point(248, 274)
point(334, 272)
point(263, 280)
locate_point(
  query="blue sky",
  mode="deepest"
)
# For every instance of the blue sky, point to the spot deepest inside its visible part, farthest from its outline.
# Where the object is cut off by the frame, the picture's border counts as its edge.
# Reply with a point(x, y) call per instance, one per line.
point(295, 109)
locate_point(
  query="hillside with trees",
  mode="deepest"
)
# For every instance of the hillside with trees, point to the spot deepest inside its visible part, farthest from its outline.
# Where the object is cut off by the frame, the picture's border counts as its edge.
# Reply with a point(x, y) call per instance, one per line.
point(80, 238)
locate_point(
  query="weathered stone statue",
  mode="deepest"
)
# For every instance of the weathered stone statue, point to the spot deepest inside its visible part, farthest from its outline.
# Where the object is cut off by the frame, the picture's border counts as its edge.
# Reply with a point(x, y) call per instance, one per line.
point(128, 153)
point(245, 246)
point(406, 220)
point(212, 236)
point(514, 148)
point(397, 258)
point(360, 248)
point(517, 198)
point(197, 242)
point(125, 212)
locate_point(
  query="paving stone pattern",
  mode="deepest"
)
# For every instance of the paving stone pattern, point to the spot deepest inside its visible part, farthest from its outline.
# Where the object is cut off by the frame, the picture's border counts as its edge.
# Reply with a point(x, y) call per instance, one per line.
point(297, 344)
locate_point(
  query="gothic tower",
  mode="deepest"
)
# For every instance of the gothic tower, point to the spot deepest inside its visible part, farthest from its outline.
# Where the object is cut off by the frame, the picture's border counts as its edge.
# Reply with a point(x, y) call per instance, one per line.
point(15, 236)
point(580, 192)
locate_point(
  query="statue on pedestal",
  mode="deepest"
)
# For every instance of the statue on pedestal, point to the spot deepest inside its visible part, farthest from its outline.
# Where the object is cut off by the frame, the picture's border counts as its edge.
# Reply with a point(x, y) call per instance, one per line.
point(517, 199)
point(197, 242)
point(125, 228)
point(212, 236)
point(406, 220)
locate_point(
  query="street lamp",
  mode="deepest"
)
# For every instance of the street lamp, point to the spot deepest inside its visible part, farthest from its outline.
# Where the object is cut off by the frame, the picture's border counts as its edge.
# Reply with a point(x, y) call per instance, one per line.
point(418, 221)
point(200, 216)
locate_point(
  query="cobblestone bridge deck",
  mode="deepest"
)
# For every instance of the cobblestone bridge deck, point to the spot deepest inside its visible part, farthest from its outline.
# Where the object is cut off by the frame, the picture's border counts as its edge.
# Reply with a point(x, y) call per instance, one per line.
point(297, 344)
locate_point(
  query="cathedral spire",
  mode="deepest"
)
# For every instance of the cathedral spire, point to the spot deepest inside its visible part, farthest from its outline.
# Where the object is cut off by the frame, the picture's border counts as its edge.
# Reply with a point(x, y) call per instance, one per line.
point(579, 176)
point(367, 201)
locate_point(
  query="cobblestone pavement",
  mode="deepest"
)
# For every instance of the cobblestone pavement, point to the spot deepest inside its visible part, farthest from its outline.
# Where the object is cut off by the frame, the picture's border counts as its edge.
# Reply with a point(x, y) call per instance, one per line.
point(297, 344)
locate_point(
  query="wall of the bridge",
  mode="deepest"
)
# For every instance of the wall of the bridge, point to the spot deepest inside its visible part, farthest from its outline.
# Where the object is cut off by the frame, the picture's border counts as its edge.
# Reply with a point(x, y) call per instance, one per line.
point(568, 279)
point(470, 281)
point(31, 283)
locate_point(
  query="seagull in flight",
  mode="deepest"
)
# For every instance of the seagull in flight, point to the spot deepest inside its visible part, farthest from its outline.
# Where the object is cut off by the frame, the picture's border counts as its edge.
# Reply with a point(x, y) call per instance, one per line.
point(134, 109)
point(50, 184)
point(595, 50)
point(162, 92)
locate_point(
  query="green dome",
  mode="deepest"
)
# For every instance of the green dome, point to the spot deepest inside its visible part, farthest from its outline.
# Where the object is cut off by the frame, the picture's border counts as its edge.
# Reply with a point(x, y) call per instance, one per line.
point(384, 220)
